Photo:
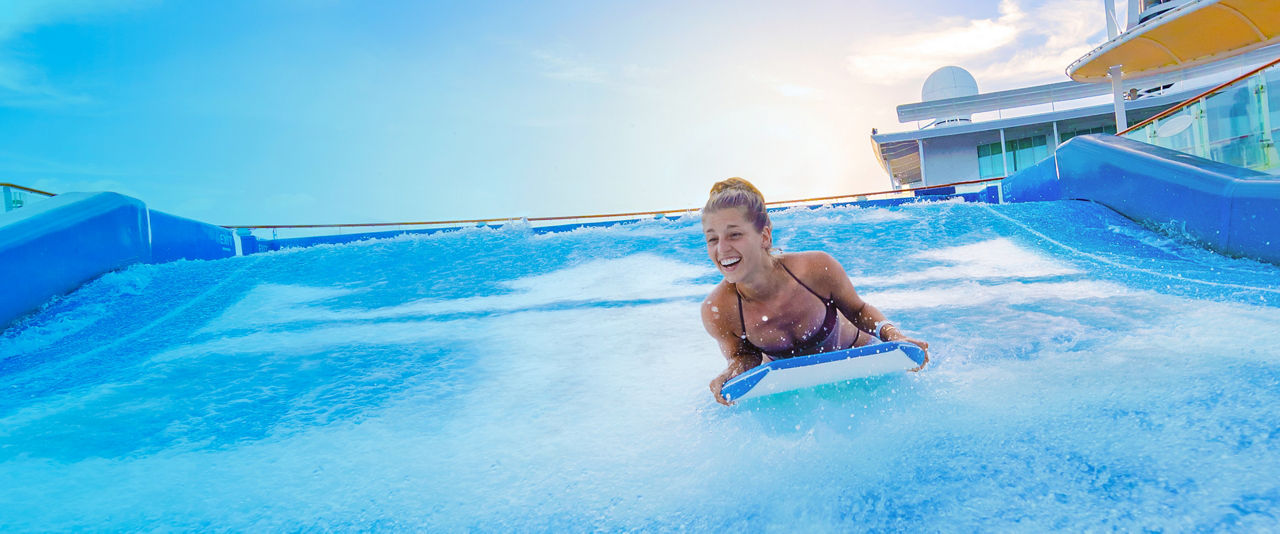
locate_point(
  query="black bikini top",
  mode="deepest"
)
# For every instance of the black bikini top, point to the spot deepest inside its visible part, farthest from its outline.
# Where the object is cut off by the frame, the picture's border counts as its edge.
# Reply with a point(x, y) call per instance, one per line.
point(804, 346)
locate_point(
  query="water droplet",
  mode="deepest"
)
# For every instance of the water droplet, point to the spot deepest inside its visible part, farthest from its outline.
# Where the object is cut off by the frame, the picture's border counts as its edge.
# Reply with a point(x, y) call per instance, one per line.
point(764, 317)
point(715, 309)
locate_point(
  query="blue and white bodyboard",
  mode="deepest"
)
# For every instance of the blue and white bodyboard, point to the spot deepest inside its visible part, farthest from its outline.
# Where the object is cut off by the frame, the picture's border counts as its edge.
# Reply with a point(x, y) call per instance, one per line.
point(824, 368)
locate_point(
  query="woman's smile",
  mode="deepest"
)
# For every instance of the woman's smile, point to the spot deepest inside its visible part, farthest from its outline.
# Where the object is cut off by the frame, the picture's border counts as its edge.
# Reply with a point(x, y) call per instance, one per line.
point(731, 239)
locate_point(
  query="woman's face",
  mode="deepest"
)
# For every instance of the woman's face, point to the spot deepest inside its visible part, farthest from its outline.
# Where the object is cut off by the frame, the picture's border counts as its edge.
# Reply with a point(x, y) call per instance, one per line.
point(734, 244)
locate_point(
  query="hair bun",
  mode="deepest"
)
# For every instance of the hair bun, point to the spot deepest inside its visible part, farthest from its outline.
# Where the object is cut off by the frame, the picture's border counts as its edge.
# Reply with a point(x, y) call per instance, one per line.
point(738, 193)
point(735, 183)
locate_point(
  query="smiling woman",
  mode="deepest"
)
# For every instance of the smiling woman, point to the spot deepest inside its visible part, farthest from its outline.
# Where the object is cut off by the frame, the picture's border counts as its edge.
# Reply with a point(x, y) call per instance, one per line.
point(774, 294)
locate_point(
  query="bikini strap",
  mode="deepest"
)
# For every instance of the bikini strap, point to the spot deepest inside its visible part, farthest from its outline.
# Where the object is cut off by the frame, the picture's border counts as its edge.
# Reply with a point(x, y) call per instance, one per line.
point(802, 284)
point(741, 318)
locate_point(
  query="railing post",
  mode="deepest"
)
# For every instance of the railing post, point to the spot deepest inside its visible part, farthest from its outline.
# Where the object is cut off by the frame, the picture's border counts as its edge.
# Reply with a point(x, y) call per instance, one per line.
point(1266, 139)
point(1202, 129)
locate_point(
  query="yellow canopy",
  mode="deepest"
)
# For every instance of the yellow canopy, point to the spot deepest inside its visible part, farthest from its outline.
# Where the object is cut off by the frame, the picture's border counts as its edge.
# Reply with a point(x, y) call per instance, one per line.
point(1191, 34)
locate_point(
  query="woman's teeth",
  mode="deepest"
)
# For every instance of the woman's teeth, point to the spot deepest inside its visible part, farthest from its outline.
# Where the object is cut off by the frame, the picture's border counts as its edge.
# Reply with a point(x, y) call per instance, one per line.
point(729, 261)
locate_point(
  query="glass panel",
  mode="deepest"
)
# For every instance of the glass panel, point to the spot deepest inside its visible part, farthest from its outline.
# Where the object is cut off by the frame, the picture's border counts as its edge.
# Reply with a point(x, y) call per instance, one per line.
point(1233, 118)
point(1176, 131)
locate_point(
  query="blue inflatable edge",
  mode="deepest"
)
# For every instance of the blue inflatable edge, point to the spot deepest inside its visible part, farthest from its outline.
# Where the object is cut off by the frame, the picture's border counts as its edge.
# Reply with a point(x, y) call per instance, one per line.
point(53, 246)
point(179, 238)
point(745, 382)
point(1232, 210)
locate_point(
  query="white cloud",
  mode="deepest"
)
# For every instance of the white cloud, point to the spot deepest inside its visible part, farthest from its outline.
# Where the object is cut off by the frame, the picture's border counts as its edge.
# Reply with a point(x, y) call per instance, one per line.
point(561, 68)
point(1018, 46)
point(22, 85)
point(574, 68)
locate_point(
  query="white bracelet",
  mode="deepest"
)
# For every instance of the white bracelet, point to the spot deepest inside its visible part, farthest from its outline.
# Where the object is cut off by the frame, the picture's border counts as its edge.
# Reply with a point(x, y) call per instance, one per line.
point(880, 327)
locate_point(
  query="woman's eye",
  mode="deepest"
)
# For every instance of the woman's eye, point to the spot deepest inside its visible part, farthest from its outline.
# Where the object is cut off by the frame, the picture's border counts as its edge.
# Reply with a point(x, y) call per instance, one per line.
point(711, 240)
point(734, 236)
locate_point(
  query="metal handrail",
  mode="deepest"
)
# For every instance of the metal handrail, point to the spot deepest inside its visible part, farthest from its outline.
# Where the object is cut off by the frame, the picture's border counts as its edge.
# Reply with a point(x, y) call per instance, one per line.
point(28, 189)
point(595, 216)
point(1196, 98)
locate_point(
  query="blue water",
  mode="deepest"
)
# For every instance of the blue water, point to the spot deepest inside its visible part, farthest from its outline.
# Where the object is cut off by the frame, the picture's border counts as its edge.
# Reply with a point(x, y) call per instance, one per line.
point(1087, 374)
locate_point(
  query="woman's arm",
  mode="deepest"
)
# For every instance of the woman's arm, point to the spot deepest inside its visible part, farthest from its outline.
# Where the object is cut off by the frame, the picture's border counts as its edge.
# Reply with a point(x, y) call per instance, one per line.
point(739, 363)
point(740, 357)
point(860, 312)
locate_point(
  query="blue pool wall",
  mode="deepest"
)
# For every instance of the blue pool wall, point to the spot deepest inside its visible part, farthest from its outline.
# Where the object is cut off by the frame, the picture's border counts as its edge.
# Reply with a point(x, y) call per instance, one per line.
point(178, 238)
point(1232, 210)
point(52, 247)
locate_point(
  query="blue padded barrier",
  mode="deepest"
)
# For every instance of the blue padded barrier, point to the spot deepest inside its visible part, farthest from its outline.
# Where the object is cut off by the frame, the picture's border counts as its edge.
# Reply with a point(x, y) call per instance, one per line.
point(1233, 210)
point(935, 191)
point(178, 238)
point(248, 243)
point(51, 247)
point(1037, 182)
point(990, 195)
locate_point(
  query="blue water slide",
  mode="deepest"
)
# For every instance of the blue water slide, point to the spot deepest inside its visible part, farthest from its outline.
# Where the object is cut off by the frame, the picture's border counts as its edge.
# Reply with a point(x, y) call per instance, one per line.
point(51, 247)
point(1230, 209)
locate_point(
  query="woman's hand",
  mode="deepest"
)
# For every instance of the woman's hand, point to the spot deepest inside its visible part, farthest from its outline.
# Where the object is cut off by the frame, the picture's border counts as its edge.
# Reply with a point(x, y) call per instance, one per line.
point(891, 333)
point(717, 384)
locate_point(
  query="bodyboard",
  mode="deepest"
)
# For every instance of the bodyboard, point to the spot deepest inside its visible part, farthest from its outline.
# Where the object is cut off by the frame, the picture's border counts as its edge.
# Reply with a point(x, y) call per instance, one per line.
point(790, 374)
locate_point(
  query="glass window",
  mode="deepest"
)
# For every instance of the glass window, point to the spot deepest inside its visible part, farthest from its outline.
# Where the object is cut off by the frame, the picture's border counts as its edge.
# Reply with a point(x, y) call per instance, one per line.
point(1026, 151)
point(990, 161)
point(1108, 129)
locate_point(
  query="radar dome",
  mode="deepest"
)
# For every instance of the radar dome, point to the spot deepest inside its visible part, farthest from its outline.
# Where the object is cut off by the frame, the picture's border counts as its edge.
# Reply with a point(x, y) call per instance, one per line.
point(949, 82)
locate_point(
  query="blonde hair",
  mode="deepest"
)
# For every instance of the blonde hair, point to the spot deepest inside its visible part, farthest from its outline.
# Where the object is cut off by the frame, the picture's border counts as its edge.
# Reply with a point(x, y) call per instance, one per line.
point(738, 193)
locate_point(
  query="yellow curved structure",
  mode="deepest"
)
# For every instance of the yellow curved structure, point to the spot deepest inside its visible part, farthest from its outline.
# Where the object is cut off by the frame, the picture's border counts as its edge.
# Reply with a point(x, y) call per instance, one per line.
point(1195, 33)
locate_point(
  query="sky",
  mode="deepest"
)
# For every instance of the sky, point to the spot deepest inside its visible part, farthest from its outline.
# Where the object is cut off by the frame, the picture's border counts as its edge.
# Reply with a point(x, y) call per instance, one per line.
point(245, 112)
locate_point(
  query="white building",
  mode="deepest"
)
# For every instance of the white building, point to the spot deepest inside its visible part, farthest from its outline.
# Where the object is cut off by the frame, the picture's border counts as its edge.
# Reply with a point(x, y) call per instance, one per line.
point(951, 145)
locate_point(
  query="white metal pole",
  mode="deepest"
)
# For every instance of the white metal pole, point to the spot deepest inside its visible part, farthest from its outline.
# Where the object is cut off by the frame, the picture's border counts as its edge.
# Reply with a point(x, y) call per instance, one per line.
point(1004, 157)
point(920, 147)
point(1117, 92)
point(1112, 30)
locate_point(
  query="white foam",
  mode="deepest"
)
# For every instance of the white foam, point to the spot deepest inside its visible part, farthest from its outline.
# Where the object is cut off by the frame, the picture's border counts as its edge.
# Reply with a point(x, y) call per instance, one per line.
point(278, 304)
point(992, 259)
point(326, 338)
point(635, 277)
point(969, 294)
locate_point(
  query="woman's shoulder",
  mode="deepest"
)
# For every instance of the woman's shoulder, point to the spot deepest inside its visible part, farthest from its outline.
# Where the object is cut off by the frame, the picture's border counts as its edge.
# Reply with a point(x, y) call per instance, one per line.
point(815, 267)
point(721, 293)
point(809, 260)
point(715, 306)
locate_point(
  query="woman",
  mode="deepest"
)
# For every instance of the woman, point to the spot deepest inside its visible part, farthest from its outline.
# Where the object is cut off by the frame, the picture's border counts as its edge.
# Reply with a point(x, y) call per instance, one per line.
point(773, 306)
